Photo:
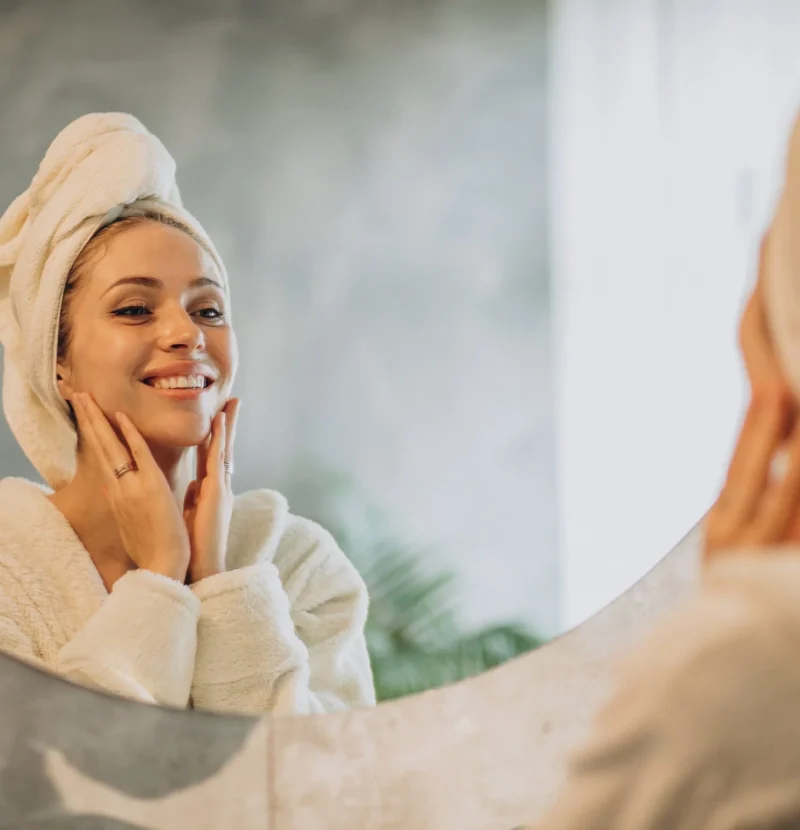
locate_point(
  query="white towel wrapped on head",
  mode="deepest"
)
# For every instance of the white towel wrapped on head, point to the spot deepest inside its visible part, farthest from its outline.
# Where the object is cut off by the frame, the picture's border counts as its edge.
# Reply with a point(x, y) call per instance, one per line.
point(96, 168)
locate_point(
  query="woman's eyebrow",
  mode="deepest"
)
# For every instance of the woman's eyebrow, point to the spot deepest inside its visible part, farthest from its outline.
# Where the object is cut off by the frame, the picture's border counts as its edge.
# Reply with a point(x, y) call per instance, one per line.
point(153, 282)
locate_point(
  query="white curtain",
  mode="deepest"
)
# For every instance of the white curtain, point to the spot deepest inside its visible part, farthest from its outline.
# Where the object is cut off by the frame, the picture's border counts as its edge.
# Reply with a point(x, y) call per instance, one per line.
point(668, 129)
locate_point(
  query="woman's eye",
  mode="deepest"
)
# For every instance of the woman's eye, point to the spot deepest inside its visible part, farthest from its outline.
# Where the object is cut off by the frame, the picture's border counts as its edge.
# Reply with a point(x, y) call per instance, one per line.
point(132, 311)
point(209, 313)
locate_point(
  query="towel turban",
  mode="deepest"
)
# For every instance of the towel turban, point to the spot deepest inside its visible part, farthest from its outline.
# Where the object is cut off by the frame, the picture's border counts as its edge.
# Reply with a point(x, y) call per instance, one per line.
point(98, 167)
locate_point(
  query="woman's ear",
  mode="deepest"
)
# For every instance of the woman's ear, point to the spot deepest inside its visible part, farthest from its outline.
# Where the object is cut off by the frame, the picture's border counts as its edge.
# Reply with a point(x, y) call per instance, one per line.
point(63, 378)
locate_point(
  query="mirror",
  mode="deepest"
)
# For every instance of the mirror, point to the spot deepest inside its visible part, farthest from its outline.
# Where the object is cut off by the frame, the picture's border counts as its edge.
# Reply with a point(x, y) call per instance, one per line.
point(674, 210)
point(471, 303)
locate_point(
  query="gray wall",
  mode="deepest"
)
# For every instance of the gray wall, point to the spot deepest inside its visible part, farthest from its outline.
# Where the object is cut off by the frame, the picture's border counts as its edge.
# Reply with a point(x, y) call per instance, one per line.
point(374, 174)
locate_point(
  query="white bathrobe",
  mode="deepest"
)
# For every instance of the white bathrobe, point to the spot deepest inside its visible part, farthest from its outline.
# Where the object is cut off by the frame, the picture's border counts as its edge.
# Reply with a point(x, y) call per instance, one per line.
point(703, 729)
point(281, 631)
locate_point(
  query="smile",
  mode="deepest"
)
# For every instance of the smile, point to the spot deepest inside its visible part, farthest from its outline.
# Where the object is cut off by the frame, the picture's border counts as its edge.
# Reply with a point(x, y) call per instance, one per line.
point(179, 382)
point(179, 387)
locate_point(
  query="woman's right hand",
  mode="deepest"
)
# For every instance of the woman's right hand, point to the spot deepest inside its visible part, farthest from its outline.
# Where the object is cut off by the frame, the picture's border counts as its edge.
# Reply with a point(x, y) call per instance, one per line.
point(754, 509)
point(151, 525)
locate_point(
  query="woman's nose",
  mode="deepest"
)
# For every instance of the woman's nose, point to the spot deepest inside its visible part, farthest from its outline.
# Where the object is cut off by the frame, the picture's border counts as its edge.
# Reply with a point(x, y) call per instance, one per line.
point(180, 331)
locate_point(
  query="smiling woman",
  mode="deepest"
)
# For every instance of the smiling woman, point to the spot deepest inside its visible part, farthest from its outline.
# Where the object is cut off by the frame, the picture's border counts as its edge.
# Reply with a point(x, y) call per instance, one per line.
point(134, 287)
point(135, 570)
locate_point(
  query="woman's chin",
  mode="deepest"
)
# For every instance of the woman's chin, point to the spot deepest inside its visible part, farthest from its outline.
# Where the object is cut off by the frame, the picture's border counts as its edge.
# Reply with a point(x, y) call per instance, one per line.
point(178, 429)
point(182, 436)
point(182, 440)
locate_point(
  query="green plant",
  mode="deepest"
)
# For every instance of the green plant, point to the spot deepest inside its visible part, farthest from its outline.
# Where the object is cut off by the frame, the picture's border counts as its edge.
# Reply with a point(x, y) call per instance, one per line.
point(415, 636)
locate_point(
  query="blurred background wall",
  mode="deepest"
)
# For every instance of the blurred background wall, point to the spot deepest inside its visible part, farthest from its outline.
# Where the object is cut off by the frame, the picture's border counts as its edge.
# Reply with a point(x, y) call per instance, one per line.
point(374, 173)
point(668, 131)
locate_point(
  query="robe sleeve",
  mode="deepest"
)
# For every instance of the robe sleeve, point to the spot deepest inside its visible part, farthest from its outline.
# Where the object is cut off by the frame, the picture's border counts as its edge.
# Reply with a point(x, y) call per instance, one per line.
point(140, 644)
point(285, 636)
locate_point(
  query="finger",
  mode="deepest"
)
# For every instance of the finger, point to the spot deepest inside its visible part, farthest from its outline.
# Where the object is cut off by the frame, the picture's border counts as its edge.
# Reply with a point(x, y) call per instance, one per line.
point(215, 448)
point(190, 497)
point(89, 437)
point(765, 414)
point(779, 505)
point(216, 452)
point(202, 454)
point(109, 452)
point(115, 451)
point(139, 450)
point(761, 362)
point(793, 530)
point(231, 417)
point(760, 437)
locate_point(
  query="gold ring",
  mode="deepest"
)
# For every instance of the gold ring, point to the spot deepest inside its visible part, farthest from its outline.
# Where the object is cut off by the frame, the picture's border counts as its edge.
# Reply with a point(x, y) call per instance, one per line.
point(128, 467)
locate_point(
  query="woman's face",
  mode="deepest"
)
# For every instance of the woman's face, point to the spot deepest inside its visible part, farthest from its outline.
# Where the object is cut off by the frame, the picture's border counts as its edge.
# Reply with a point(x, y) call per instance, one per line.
point(150, 302)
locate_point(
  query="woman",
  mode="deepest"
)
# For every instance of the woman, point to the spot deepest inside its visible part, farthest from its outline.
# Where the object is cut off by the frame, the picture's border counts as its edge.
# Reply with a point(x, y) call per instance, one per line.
point(703, 730)
point(123, 574)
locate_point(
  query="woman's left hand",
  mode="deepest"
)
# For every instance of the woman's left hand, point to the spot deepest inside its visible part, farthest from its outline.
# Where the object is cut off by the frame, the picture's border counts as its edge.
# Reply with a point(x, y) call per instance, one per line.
point(754, 510)
point(208, 504)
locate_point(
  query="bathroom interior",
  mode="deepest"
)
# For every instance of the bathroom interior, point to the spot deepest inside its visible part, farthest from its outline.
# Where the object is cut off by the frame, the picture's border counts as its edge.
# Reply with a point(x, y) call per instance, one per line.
point(487, 263)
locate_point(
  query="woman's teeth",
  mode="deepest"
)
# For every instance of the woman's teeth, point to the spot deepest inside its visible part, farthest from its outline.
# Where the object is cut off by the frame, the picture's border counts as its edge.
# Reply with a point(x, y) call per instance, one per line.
point(179, 382)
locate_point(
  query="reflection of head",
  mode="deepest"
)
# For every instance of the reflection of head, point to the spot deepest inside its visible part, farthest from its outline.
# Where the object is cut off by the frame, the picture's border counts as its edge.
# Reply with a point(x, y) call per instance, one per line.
point(93, 250)
point(113, 332)
point(101, 167)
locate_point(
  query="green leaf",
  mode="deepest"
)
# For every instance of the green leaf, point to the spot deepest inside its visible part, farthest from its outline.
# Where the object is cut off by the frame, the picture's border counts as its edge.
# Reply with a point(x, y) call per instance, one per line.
point(415, 637)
